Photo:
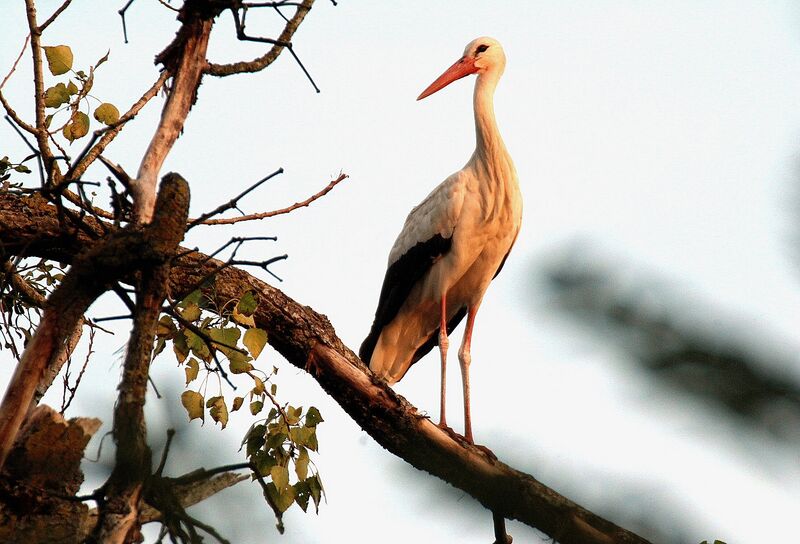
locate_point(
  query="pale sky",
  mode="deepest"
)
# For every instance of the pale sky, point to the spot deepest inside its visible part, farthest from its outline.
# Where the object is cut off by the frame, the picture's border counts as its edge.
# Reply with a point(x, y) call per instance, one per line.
point(663, 135)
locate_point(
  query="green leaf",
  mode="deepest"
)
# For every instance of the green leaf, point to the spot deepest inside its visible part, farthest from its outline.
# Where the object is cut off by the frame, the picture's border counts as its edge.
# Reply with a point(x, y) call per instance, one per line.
point(255, 340)
point(77, 127)
point(197, 345)
point(293, 415)
point(47, 120)
point(259, 388)
point(21, 168)
point(263, 461)
point(305, 436)
point(72, 88)
point(191, 311)
point(255, 439)
point(313, 417)
point(160, 345)
point(282, 500)
point(193, 402)
point(237, 403)
point(301, 465)
point(276, 439)
point(106, 113)
point(247, 304)
point(302, 493)
point(166, 327)
point(191, 369)
point(280, 477)
point(256, 407)
point(223, 338)
point(239, 363)
point(59, 59)
point(56, 95)
point(218, 410)
point(180, 346)
point(315, 485)
point(193, 297)
point(241, 319)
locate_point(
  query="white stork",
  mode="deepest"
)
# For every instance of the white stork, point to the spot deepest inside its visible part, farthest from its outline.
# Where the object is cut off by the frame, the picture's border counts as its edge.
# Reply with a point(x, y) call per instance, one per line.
point(452, 244)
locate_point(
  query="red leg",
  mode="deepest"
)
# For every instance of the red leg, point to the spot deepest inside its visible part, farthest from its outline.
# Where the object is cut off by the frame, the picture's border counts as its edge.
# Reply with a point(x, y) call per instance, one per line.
point(465, 358)
point(443, 345)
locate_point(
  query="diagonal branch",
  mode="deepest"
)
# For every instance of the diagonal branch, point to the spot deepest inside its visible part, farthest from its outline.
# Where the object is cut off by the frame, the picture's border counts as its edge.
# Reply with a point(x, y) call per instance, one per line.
point(308, 341)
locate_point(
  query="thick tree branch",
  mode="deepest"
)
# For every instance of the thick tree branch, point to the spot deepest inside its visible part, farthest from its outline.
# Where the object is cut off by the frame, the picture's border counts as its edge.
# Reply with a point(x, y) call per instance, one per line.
point(124, 489)
point(50, 166)
point(184, 59)
point(308, 341)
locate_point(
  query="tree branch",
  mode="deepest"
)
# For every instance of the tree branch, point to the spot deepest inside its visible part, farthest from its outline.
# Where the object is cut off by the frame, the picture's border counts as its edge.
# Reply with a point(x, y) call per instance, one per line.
point(258, 64)
point(50, 166)
point(308, 341)
point(124, 490)
point(184, 59)
point(273, 213)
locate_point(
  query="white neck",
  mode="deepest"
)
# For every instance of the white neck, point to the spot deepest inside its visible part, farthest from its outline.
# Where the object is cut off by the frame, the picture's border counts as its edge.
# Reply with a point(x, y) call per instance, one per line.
point(488, 142)
point(489, 146)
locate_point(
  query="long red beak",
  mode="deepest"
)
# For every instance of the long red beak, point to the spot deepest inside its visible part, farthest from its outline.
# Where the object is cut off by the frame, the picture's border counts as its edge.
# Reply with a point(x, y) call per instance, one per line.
point(463, 67)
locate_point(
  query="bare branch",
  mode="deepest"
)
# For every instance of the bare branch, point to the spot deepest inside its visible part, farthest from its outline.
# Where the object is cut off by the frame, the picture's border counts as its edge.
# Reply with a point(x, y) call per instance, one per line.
point(14, 66)
point(122, 12)
point(55, 15)
point(273, 213)
point(232, 203)
point(258, 64)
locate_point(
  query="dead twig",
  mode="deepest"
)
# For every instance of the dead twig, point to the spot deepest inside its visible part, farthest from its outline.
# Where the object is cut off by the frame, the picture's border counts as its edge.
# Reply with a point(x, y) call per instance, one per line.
point(232, 203)
point(273, 213)
point(16, 62)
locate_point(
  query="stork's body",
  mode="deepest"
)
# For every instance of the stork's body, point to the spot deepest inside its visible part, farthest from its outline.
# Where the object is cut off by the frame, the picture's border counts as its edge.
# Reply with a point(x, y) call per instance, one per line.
point(452, 244)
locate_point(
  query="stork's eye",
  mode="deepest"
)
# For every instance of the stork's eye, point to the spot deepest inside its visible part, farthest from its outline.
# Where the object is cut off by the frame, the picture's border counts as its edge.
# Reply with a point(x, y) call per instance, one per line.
point(481, 48)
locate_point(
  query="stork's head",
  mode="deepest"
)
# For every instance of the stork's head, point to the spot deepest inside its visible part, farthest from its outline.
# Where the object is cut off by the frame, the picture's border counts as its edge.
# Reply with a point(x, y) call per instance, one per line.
point(481, 56)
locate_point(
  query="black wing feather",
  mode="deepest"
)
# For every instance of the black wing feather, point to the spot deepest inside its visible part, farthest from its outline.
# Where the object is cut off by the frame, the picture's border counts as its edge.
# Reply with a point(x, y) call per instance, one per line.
point(400, 278)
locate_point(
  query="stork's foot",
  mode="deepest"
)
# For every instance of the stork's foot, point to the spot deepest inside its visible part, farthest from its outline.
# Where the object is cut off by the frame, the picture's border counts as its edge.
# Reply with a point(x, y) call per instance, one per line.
point(500, 535)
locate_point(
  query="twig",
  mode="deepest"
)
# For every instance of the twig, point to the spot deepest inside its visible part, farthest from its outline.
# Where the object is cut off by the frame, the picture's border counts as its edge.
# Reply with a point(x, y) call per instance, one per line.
point(232, 202)
point(170, 435)
point(264, 265)
point(14, 66)
point(111, 318)
point(273, 213)
point(260, 63)
point(204, 474)
point(173, 8)
point(122, 14)
point(55, 15)
point(240, 33)
point(24, 139)
point(72, 390)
